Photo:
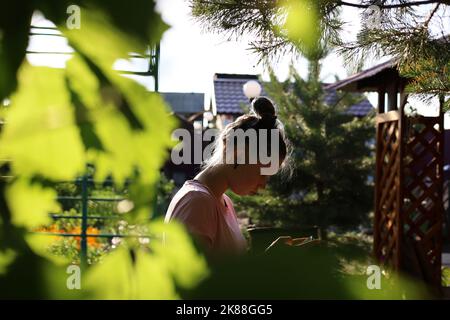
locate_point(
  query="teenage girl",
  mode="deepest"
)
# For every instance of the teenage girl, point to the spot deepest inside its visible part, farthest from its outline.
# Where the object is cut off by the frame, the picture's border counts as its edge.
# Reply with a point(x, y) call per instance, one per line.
point(202, 205)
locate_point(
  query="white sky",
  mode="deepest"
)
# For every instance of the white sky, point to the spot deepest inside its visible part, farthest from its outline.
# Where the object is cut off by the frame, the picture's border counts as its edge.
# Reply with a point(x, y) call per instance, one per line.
point(190, 57)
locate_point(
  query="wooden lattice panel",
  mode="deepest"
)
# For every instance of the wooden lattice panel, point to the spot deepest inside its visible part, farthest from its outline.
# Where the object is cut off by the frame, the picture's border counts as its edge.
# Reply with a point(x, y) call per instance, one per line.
point(387, 190)
point(422, 208)
point(409, 195)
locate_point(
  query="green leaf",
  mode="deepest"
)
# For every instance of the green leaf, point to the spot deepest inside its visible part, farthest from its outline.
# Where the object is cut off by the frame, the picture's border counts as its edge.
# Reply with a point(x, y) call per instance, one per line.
point(40, 135)
point(6, 258)
point(107, 42)
point(87, 132)
point(30, 203)
point(302, 23)
point(127, 149)
point(152, 278)
point(124, 149)
point(120, 276)
point(137, 274)
point(139, 21)
point(142, 196)
point(184, 262)
point(40, 244)
point(112, 43)
point(112, 278)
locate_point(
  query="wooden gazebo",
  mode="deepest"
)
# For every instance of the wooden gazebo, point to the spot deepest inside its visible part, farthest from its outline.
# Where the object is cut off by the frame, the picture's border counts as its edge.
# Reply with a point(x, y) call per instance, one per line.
point(409, 177)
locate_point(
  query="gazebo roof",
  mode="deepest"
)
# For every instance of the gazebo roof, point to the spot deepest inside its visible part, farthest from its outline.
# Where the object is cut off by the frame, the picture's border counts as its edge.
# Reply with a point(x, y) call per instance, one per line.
point(370, 79)
point(377, 77)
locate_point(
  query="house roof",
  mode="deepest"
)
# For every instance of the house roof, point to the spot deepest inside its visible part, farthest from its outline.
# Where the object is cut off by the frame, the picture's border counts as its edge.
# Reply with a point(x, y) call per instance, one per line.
point(185, 103)
point(360, 109)
point(228, 92)
point(229, 95)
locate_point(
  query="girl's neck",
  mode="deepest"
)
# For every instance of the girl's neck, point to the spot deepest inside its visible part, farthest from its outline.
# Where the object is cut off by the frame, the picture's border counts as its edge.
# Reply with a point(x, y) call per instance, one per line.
point(215, 179)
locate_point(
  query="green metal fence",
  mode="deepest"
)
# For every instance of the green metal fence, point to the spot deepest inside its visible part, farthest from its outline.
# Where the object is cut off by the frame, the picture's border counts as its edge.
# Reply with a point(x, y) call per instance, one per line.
point(84, 217)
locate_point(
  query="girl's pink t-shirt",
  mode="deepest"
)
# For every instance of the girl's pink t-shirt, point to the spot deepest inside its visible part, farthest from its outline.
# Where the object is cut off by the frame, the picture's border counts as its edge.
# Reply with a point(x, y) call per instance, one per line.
point(211, 220)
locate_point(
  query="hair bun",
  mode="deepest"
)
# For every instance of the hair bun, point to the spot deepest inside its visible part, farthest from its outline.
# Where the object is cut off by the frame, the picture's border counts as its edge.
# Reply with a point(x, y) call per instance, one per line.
point(263, 107)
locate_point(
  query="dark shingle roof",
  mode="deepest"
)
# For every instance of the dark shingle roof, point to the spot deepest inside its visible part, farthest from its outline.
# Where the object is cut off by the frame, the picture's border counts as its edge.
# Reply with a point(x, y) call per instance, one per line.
point(361, 109)
point(185, 103)
point(228, 92)
point(229, 95)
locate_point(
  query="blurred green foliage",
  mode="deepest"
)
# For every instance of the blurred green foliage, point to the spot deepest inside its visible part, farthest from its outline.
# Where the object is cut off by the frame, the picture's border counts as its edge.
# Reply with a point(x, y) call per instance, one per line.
point(302, 24)
point(446, 276)
point(60, 120)
point(168, 264)
point(331, 270)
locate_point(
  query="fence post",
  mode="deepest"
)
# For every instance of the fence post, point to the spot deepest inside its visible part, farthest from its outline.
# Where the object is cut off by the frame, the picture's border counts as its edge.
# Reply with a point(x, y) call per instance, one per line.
point(84, 213)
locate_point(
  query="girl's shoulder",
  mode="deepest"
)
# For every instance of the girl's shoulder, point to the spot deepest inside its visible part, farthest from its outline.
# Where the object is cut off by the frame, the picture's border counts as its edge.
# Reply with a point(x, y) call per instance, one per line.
point(196, 188)
point(193, 191)
point(192, 201)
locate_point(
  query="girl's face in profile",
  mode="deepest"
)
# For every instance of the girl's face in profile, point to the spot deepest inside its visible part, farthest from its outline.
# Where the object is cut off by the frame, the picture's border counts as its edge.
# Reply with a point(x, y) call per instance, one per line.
point(247, 179)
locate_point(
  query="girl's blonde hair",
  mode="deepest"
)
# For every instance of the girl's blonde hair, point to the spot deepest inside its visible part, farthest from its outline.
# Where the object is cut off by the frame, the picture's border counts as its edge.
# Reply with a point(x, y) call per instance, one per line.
point(262, 116)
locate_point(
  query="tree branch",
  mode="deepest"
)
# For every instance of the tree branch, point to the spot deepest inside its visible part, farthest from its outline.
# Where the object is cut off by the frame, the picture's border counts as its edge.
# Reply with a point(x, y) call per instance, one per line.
point(431, 16)
point(393, 6)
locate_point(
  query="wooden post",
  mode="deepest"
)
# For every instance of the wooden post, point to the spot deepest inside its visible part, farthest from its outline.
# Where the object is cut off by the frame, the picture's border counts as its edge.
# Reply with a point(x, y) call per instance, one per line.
point(392, 97)
point(440, 217)
point(401, 180)
point(381, 101)
point(376, 218)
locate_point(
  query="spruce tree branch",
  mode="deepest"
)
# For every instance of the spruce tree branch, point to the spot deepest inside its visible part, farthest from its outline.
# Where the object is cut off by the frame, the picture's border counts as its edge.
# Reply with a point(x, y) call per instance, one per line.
point(393, 6)
point(427, 22)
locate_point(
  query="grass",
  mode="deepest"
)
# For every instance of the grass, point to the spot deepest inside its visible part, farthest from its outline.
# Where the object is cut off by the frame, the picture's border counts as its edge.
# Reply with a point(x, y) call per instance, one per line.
point(353, 250)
